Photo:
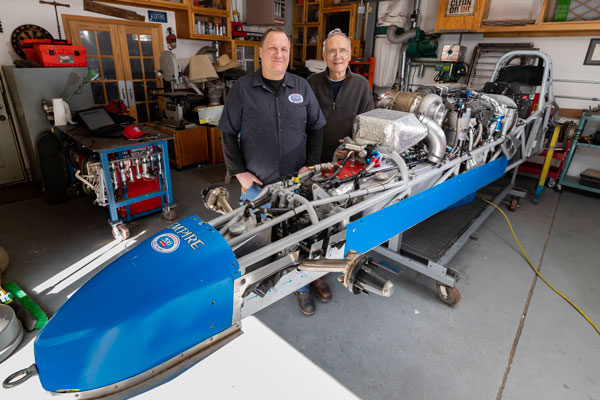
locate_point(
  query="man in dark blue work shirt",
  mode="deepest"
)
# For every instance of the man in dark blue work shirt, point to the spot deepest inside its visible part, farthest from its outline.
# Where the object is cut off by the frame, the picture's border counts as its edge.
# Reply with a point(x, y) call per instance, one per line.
point(278, 120)
point(276, 115)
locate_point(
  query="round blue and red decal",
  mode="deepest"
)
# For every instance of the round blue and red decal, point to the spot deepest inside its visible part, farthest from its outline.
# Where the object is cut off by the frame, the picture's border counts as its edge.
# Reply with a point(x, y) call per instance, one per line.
point(165, 243)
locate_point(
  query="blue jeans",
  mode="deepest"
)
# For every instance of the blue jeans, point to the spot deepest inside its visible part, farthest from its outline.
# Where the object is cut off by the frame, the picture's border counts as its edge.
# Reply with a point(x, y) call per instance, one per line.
point(250, 194)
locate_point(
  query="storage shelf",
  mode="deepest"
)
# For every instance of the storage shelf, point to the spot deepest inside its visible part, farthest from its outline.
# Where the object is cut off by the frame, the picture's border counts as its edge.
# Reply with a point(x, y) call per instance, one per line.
point(593, 146)
point(474, 23)
point(572, 181)
point(208, 37)
point(209, 11)
point(161, 5)
point(186, 24)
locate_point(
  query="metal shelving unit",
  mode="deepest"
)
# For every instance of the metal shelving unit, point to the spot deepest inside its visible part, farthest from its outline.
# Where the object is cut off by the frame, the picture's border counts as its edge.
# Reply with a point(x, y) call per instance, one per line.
point(571, 181)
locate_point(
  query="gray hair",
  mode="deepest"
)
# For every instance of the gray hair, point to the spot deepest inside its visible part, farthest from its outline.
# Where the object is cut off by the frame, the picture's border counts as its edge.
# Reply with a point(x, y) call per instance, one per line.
point(336, 31)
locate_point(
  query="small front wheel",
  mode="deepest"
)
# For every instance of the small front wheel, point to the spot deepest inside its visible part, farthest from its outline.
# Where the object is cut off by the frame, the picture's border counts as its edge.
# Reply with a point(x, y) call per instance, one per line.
point(552, 183)
point(169, 214)
point(120, 232)
point(514, 204)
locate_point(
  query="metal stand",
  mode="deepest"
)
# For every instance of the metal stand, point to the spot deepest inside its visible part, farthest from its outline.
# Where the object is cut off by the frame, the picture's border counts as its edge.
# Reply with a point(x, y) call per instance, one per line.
point(164, 192)
point(418, 255)
point(113, 159)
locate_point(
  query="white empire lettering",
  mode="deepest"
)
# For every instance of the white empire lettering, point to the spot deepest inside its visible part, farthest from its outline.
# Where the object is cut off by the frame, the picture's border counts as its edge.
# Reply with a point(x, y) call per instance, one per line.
point(187, 235)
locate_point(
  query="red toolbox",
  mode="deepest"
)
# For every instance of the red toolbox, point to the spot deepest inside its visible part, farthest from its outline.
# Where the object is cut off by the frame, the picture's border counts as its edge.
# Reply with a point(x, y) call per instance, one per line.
point(138, 188)
point(54, 53)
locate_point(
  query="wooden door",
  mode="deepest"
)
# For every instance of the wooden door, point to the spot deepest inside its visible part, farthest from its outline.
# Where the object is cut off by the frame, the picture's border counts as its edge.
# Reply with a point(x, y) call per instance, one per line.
point(126, 54)
point(102, 52)
point(140, 52)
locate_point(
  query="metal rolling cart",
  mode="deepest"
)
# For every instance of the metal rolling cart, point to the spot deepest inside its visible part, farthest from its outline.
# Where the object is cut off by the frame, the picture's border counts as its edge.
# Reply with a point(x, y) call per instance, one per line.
point(573, 181)
point(132, 177)
point(430, 245)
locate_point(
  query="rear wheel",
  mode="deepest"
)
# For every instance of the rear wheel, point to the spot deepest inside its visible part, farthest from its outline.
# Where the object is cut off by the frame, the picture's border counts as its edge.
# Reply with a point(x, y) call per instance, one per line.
point(447, 294)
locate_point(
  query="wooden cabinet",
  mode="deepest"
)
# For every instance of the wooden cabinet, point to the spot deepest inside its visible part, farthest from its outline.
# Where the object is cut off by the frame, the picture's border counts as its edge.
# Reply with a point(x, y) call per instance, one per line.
point(306, 31)
point(266, 12)
point(167, 4)
point(195, 19)
point(306, 11)
point(189, 147)
point(305, 44)
point(542, 25)
point(312, 20)
point(160, 4)
point(245, 52)
point(215, 146)
point(205, 23)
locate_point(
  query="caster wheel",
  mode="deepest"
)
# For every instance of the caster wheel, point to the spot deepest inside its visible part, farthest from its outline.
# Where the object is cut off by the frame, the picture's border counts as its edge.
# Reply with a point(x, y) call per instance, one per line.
point(514, 204)
point(169, 215)
point(552, 183)
point(120, 232)
point(448, 295)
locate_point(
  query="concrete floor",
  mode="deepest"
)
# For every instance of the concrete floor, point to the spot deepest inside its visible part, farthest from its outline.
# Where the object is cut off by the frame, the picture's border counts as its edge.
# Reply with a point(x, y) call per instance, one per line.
point(409, 346)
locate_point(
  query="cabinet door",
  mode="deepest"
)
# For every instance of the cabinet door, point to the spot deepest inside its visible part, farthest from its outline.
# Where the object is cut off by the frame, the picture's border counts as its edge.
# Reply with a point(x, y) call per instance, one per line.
point(298, 14)
point(103, 54)
point(313, 14)
point(298, 40)
point(140, 49)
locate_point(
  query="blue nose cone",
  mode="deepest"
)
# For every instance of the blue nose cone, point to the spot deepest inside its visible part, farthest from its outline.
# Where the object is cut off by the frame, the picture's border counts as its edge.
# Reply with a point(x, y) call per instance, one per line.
point(166, 295)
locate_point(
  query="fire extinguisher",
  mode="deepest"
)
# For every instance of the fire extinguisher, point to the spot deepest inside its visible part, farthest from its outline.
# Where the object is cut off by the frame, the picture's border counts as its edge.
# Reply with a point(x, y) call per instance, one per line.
point(171, 39)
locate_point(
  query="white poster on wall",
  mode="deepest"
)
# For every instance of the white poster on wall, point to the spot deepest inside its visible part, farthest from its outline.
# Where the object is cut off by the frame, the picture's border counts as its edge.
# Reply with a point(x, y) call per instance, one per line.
point(459, 8)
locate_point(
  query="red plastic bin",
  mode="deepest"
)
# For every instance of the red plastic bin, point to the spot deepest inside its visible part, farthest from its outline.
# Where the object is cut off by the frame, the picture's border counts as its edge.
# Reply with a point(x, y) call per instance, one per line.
point(54, 53)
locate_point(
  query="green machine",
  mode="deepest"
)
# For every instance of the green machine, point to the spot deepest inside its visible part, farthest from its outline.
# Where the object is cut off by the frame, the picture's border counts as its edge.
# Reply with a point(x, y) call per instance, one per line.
point(422, 45)
point(450, 71)
point(451, 66)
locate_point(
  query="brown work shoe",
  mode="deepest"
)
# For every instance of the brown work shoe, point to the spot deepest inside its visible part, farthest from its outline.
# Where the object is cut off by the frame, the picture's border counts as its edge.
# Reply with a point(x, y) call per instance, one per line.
point(321, 290)
point(306, 303)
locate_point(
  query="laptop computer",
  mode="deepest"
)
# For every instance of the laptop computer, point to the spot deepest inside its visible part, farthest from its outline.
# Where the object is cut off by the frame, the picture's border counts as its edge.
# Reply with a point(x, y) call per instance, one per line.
point(100, 123)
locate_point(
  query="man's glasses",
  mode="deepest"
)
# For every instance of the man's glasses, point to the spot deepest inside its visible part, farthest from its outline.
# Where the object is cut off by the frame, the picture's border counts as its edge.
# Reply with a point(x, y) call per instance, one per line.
point(340, 52)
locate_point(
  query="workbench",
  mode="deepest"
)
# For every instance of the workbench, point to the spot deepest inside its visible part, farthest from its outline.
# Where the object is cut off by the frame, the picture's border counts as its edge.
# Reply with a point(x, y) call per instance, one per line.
point(119, 156)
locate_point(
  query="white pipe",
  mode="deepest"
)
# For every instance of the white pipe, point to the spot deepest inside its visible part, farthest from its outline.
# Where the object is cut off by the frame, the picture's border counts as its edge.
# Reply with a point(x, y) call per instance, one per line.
point(401, 38)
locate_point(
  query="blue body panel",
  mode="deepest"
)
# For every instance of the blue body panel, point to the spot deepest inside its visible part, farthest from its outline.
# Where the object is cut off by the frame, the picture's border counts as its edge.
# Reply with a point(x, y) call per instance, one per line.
point(369, 232)
point(462, 202)
point(166, 295)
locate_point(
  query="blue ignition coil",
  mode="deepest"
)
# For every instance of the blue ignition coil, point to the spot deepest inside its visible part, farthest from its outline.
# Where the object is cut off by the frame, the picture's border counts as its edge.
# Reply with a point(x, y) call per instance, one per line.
point(498, 120)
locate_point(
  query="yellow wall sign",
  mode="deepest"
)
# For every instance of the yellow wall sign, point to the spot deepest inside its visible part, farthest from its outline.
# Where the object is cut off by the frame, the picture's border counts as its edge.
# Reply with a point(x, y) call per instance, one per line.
point(459, 8)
